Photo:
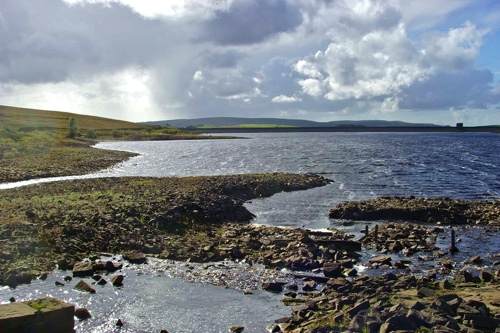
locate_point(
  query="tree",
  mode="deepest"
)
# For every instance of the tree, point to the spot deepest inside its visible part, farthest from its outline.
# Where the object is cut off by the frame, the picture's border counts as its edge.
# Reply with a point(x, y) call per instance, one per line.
point(73, 130)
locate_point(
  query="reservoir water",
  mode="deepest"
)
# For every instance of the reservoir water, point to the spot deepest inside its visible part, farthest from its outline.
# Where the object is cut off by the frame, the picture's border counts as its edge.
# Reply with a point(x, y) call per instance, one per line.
point(362, 166)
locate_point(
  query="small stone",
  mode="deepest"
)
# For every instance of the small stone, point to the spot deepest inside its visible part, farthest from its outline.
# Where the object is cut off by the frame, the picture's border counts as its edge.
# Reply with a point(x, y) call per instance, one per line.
point(59, 284)
point(82, 313)
point(12, 281)
point(117, 280)
point(486, 276)
point(83, 268)
point(426, 292)
point(12, 299)
point(101, 282)
point(476, 260)
point(119, 323)
point(135, 257)
point(379, 261)
point(111, 266)
point(464, 277)
point(445, 284)
point(309, 286)
point(85, 287)
point(273, 287)
point(236, 329)
point(68, 278)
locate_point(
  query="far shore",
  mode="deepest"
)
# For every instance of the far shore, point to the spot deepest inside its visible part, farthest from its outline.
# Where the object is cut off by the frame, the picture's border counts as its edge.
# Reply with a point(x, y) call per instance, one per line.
point(348, 129)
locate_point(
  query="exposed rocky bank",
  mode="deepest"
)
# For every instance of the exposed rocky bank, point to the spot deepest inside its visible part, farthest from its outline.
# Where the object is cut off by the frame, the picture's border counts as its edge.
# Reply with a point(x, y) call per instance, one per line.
point(436, 210)
point(179, 218)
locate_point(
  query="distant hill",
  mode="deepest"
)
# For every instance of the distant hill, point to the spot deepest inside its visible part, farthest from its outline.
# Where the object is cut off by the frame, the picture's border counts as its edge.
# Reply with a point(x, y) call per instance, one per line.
point(31, 119)
point(238, 122)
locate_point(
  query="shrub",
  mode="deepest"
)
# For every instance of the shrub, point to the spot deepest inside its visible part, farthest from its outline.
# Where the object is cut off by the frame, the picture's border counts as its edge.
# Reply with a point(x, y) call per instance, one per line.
point(91, 134)
point(73, 130)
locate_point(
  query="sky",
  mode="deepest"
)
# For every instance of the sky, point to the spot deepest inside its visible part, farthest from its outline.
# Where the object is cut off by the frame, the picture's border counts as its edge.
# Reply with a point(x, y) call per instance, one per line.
point(424, 61)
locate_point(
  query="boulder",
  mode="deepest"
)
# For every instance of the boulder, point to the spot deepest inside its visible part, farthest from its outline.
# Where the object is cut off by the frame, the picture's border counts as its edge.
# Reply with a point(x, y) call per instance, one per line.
point(426, 292)
point(464, 277)
point(476, 260)
point(135, 257)
point(12, 280)
point(486, 276)
point(358, 307)
point(275, 287)
point(111, 266)
point(117, 280)
point(82, 313)
point(379, 261)
point(84, 287)
point(83, 268)
point(333, 270)
point(40, 315)
point(309, 286)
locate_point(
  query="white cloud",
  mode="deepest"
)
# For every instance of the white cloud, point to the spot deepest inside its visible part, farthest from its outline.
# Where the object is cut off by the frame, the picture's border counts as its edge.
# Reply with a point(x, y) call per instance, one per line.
point(285, 99)
point(375, 59)
point(457, 49)
point(371, 64)
point(171, 9)
point(312, 87)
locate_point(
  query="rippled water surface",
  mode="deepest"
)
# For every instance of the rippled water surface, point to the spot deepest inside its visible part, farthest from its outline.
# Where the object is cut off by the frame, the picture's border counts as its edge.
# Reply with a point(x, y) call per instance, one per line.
point(362, 166)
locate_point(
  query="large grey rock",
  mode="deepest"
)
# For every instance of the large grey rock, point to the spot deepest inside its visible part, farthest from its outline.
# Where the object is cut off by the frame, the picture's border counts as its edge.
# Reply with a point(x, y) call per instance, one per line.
point(379, 261)
point(273, 286)
point(84, 287)
point(358, 307)
point(117, 280)
point(135, 257)
point(83, 268)
point(41, 315)
point(82, 313)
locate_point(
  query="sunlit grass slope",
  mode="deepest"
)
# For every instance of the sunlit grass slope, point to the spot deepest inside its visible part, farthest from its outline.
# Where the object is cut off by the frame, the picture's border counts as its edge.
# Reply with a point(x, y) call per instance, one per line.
point(31, 119)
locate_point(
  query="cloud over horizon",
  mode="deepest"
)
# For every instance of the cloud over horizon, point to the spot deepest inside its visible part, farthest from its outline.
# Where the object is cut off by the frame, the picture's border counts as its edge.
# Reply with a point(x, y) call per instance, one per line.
point(317, 59)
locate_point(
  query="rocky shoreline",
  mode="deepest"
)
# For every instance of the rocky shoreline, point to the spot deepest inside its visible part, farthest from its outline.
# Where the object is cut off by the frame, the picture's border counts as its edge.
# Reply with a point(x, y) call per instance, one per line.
point(202, 219)
point(434, 210)
point(177, 218)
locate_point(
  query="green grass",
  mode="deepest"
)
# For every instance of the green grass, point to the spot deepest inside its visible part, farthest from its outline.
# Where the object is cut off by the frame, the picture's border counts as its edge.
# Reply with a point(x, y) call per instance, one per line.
point(35, 143)
point(32, 119)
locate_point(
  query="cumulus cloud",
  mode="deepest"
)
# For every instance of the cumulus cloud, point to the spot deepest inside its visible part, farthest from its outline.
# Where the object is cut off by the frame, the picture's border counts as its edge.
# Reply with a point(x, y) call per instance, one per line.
point(372, 57)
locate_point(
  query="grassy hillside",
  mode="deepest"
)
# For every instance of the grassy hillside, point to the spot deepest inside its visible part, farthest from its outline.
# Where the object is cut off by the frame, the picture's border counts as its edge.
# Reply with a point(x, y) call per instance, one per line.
point(32, 119)
point(36, 143)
